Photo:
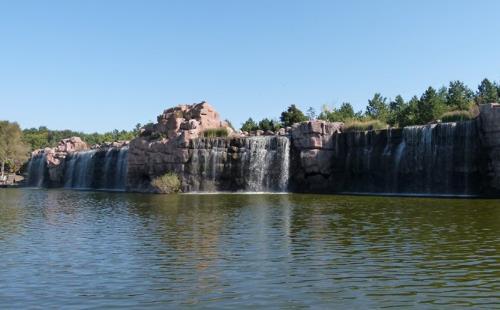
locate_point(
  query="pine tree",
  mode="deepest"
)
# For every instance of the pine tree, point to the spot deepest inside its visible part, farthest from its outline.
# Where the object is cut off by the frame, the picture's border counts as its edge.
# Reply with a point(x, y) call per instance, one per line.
point(377, 108)
point(292, 115)
point(430, 106)
point(459, 96)
point(487, 92)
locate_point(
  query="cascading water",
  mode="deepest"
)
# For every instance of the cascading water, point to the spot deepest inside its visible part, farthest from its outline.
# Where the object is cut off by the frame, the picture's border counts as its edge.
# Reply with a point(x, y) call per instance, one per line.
point(432, 159)
point(36, 170)
point(253, 164)
point(97, 169)
point(80, 170)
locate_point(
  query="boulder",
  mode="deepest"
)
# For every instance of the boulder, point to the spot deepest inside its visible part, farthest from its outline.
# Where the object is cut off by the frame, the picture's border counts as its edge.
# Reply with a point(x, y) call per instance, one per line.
point(315, 134)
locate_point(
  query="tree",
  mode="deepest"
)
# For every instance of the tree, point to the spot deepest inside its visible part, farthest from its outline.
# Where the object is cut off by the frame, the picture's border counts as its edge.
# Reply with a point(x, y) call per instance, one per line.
point(249, 125)
point(345, 112)
point(459, 96)
point(408, 115)
point(377, 108)
point(487, 92)
point(266, 124)
point(292, 115)
point(396, 111)
point(12, 147)
point(430, 106)
point(311, 113)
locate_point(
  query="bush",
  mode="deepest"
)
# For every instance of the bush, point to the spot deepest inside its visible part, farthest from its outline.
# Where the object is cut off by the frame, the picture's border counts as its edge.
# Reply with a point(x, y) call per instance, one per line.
point(215, 133)
point(167, 184)
point(356, 125)
point(456, 116)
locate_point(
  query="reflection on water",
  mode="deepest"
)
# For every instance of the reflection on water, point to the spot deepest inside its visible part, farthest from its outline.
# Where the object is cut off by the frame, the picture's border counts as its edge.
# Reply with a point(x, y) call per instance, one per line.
point(67, 248)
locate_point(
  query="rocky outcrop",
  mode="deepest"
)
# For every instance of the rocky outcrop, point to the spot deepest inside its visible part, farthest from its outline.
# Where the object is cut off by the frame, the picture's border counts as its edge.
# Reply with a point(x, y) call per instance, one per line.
point(490, 141)
point(177, 144)
point(186, 121)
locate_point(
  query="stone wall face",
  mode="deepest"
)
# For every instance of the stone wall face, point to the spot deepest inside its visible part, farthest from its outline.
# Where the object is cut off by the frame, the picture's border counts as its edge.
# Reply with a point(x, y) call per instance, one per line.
point(211, 164)
point(433, 159)
point(490, 140)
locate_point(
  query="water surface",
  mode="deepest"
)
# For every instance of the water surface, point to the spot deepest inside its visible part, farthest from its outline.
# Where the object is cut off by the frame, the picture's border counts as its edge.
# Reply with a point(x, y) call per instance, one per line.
point(62, 248)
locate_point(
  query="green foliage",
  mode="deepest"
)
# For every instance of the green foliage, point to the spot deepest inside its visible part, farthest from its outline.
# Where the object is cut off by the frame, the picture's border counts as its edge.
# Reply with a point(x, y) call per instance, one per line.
point(215, 133)
point(44, 137)
point(357, 125)
point(456, 116)
point(430, 106)
point(266, 124)
point(459, 96)
point(342, 114)
point(396, 111)
point(292, 115)
point(12, 147)
point(487, 92)
point(249, 125)
point(167, 184)
point(311, 113)
point(377, 108)
point(408, 116)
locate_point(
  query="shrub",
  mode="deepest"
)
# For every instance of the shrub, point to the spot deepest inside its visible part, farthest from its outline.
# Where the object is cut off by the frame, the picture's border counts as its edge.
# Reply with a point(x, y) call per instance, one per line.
point(356, 125)
point(456, 116)
point(215, 133)
point(167, 184)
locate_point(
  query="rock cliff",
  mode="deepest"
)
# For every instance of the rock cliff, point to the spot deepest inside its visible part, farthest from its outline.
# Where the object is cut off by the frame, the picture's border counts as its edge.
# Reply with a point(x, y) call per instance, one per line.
point(490, 141)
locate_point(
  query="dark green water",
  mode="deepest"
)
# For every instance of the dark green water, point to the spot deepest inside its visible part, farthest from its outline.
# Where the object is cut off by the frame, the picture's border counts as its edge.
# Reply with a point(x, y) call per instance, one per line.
point(94, 249)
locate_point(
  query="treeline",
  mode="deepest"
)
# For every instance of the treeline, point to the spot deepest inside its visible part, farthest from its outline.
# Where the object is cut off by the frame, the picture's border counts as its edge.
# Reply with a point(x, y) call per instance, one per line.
point(13, 151)
point(452, 103)
point(42, 137)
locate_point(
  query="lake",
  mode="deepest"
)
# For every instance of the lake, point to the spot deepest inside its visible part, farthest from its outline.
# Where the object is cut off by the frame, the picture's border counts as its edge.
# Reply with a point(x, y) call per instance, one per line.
point(64, 248)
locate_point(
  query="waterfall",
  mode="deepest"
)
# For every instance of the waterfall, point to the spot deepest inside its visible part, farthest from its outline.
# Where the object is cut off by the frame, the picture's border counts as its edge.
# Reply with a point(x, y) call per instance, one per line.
point(120, 176)
point(267, 162)
point(36, 170)
point(79, 170)
point(253, 164)
point(97, 169)
point(435, 159)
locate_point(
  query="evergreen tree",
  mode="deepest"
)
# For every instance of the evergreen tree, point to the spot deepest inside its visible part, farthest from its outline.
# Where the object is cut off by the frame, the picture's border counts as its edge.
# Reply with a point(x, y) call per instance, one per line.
point(459, 96)
point(377, 108)
point(396, 108)
point(266, 124)
point(430, 106)
point(249, 125)
point(311, 113)
point(487, 92)
point(346, 111)
point(292, 115)
point(408, 115)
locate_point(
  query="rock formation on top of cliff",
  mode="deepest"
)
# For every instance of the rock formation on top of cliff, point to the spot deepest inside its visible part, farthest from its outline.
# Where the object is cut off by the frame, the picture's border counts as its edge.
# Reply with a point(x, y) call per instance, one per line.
point(186, 122)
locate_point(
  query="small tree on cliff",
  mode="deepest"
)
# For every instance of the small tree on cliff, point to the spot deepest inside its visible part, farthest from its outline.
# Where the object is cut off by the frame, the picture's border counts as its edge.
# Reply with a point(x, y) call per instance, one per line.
point(292, 115)
point(487, 92)
point(430, 106)
point(459, 96)
point(249, 125)
point(377, 108)
point(12, 147)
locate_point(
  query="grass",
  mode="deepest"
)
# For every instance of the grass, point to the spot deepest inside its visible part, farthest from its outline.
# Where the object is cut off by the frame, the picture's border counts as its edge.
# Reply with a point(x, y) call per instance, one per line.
point(215, 133)
point(356, 125)
point(456, 116)
point(167, 184)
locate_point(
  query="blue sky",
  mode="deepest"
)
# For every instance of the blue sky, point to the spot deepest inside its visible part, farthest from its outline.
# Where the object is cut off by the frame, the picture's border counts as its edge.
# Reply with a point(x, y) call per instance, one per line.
point(100, 65)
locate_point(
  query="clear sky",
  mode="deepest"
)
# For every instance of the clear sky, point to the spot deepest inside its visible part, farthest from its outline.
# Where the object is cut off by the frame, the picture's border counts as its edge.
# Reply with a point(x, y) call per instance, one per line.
point(100, 65)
